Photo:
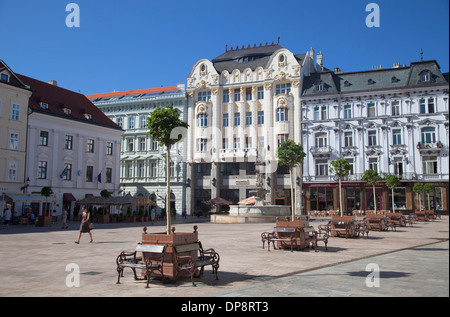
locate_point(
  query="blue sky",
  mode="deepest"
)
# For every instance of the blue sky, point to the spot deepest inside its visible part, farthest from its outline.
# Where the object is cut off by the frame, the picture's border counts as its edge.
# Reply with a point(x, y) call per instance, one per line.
point(136, 44)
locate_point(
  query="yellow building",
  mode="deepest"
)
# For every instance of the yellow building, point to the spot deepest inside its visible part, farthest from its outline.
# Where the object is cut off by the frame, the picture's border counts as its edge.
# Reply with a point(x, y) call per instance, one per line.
point(14, 98)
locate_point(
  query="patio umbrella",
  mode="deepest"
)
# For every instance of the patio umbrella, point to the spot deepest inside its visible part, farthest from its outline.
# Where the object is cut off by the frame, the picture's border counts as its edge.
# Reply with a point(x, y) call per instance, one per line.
point(248, 201)
point(218, 201)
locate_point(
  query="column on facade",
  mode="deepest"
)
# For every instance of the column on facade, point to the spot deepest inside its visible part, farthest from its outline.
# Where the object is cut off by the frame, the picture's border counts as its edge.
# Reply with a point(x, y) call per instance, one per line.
point(295, 121)
point(216, 142)
point(190, 166)
point(269, 143)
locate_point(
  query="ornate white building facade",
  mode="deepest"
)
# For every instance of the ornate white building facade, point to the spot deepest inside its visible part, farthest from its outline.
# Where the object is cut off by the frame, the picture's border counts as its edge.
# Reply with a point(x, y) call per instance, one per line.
point(395, 121)
point(241, 106)
point(142, 160)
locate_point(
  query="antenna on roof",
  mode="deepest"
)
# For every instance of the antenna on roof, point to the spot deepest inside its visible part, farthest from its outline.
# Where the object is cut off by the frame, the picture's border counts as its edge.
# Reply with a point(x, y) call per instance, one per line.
point(421, 55)
point(278, 41)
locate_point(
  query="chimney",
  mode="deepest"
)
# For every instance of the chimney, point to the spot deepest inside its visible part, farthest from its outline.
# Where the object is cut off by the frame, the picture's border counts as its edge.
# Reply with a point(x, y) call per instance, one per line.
point(337, 70)
point(53, 82)
point(181, 86)
point(320, 59)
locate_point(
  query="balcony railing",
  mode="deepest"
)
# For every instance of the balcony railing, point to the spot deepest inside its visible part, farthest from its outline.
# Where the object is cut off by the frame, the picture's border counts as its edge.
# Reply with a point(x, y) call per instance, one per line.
point(243, 153)
point(433, 146)
point(358, 177)
point(320, 150)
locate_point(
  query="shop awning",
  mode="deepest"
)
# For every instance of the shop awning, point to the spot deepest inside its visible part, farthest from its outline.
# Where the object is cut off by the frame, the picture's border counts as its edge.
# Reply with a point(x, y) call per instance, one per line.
point(68, 197)
point(28, 198)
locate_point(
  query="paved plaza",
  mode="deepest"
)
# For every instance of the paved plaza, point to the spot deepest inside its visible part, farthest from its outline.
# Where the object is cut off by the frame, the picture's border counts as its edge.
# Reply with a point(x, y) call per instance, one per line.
point(412, 261)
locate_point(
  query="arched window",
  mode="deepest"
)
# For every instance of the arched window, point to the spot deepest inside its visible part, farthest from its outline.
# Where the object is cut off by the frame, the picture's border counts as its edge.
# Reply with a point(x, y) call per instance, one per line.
point(282, 114)
point(202, 120)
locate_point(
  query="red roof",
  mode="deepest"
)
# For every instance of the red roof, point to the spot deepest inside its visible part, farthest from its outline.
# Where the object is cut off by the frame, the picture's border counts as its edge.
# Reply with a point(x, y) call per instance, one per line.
point(58, 99)
point(132, 92)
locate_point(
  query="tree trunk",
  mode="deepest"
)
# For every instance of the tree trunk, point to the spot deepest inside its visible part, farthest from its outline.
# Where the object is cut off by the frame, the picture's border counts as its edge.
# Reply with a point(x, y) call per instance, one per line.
point(374, 200)
point(393, 208)
point(168, 214)
point(340, 198)
point(292, 194)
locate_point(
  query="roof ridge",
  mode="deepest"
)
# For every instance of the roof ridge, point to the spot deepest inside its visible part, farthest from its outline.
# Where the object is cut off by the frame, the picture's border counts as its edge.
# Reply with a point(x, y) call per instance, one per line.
point(132, 92)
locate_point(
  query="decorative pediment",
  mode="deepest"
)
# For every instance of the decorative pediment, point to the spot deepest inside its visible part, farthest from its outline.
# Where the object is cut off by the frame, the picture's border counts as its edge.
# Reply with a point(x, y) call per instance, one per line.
point(321, 127)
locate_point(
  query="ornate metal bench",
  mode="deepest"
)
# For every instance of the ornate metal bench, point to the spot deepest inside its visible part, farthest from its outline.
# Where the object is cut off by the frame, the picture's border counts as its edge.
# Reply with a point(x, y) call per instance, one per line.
point(185, 261)
point(283, 236)
point(377, 222)
point(152, 261)
point(312, 237)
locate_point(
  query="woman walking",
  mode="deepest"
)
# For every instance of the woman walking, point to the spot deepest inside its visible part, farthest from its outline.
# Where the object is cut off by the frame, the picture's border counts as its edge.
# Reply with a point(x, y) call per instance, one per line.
point(85, 225)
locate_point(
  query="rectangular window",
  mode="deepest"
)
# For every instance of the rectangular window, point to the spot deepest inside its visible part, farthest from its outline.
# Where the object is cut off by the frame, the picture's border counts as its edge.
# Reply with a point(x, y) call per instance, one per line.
point(120, 122)
point(141, 169)
point(260, 92)
point(142, 141)
point(237, 143)
point(283, 89)
point(373, 163)
point(395, 108)
point(321, 167)
point(225, 143)
point(372, 137)
point(109, 148)
point(42, 170)
point(248, 94)
point(348, 138)
point(237, 118)
point(347, 111)
point(260, 117)
point(237, 95)
point(422, 105)
point(281, 138)
point(143, 120)
point(68, 142)
point(153, 169)
point(226, 95)
point(225, 120)
point(396, 136)
point(202, 145)
point(204, 96)
point(90, 146)
point(429, 165)
point(261, 142)
point(131, 123)
point(351, 162)
point(371, 110)
point(248, 118)
point(12, 171)
point(15, 112)
point(108, 173)
point(130, 144)
point(14, 141)
point(248, 142)
point(89, 173)
point(323, 113)
point(202, 120)
point(430, 105)
point(43, 138)
point(281, 114)
point(67, 176)
point(316, 113)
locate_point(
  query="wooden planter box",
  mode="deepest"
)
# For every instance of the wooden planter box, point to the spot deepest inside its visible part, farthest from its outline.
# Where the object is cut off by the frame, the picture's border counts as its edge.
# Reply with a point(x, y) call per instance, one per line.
point(299, 222)
point(171, 240)
point(103, 218)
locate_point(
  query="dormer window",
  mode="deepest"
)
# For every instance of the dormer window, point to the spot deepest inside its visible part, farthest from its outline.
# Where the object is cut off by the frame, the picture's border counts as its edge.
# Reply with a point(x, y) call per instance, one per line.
point(67, 111)
point(88, 116)
point(425, 77)
point(394, 79)
point(44, 105)
point(4, 77)
point(370, 82)
point(346, 83)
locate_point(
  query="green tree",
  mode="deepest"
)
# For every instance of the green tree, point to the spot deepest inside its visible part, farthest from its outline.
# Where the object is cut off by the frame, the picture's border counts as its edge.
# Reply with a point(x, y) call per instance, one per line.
point(46, 191)
point(340, 168)
point(392, 182)
point(290, 154)
point(418, 189)
point(165, 126)
point(371, 177)
point(428, 189)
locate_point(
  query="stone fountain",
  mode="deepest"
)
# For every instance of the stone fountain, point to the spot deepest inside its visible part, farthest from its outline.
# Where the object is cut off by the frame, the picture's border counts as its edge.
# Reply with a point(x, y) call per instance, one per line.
point(257, 212)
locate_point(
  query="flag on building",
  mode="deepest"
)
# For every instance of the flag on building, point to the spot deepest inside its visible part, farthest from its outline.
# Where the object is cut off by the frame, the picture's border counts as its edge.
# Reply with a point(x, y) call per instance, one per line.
point(64, 172)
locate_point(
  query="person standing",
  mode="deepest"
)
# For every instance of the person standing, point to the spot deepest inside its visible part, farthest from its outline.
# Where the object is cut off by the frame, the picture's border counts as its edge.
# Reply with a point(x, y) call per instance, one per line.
point(65, 226)
point(85, 225)
point(7, 217)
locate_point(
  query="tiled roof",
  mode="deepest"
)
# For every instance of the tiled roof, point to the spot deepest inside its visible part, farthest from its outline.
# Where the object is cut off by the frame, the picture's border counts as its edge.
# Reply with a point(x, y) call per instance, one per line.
point(390, 78)
point(132, 92)
point(65, 103)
